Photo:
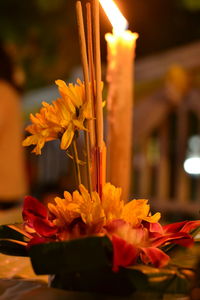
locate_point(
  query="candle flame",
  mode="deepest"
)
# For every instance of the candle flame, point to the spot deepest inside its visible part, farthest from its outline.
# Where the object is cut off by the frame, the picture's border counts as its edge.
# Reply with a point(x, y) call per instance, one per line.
point(114, 15)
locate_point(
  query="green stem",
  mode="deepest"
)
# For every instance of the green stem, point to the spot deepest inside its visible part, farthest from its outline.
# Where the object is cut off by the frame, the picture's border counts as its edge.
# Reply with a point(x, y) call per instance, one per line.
point(76, 162)
point(88, 166)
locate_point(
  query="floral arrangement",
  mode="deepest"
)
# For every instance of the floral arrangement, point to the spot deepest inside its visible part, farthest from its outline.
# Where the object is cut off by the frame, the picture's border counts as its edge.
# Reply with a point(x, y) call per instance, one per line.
point(135, 234)
point(91, 236)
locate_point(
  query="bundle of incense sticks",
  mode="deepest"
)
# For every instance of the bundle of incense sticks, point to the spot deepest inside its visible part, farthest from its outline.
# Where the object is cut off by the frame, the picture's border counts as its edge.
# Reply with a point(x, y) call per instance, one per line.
point(91, 62)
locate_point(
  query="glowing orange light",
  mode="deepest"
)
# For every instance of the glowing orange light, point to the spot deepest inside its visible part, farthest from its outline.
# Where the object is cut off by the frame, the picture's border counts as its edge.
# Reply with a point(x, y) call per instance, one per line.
point(114, 15)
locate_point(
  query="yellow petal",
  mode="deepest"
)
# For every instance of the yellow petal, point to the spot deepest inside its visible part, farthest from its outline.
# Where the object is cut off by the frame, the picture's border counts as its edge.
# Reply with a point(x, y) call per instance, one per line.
point(84, 193)
point(30, 140)
point(137, 210)
point(79, 125)
point(153, 219)
point(53, 209)
point(67, 137)
point(111, 201)
point(39, 146)
point(68, 196)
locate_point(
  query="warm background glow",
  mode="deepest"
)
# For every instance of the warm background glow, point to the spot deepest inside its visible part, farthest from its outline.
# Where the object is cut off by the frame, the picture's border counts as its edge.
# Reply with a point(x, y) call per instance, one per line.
point(117, 20)
point(169, 35)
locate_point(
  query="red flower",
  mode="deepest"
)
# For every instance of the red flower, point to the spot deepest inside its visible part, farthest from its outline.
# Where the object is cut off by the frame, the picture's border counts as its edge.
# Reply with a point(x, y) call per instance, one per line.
point(185, 226)
point(124, 253)
point(35, 216)
point(176, 233)
point(145, 241)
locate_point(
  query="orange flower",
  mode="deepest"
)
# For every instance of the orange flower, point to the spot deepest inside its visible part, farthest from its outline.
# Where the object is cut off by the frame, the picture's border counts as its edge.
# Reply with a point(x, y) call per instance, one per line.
point(133, 212)
point(80, 215)
point(60, 119)
point(138, 210)
point(111, 202)
point(91, 209)
point(78, 205)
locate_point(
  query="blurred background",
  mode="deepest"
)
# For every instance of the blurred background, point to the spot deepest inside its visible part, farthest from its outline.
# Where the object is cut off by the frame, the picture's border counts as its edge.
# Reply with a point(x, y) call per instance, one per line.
point(41, 38)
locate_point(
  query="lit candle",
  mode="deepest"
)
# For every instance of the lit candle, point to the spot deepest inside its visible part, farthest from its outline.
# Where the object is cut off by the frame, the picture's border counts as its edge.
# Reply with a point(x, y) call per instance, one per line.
point(121, 51)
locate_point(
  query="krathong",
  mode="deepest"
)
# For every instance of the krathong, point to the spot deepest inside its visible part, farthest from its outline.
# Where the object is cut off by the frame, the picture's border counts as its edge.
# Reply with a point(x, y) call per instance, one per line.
point(133, 232)
point(92, 239)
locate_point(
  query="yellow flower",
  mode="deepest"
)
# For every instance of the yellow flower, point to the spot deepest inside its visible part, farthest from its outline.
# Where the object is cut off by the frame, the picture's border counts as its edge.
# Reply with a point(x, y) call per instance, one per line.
point(92, 210)
point(133, 212)
point(76, 95)
point(82, 205)
point(61, 118)
point(137, 210)
point(46, 125)
point(60, 210)
point(111, 202)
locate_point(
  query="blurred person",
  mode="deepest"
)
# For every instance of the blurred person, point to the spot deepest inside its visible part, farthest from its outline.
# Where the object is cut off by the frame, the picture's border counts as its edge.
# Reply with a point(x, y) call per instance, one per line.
point(13, 184)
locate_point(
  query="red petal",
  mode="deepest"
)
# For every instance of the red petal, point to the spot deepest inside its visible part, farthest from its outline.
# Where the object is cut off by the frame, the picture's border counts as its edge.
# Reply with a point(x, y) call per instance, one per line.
point(33, 207)
point(37, 240)
point(155, 256)
point(185, 226)
point(175, 227)
point(124, 255)
point(190, 226)
point(155, 228)
point(44, 227)
point(114, 225)
point(180, 238)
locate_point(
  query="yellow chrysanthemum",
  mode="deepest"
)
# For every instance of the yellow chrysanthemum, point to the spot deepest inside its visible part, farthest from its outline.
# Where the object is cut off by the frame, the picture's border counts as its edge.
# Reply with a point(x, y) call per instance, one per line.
point(133, 212)
point(137, 210)
point(82, 205)
point(61, 212)
point(93, 210)
point(111, 202)
point(76, 95)
point(59, 119)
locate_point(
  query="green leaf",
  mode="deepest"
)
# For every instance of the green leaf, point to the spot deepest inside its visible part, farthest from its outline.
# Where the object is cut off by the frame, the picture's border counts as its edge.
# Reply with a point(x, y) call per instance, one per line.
point(10, 247)
point(170, 280)
point(185, 257)
point(195, 232)
point(9, 233)
point(137, 278)
point(85, 265)
point(77, 255)
point(172, 284)
point(104, 280)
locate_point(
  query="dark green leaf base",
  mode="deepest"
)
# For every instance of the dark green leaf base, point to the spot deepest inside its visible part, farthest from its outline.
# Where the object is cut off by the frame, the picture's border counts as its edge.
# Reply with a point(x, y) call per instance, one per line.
point(105, 281)
point(85, 265)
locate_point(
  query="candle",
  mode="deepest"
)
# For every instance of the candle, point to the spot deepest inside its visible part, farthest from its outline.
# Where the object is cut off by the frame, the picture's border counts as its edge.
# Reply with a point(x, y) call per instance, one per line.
point(121, 47)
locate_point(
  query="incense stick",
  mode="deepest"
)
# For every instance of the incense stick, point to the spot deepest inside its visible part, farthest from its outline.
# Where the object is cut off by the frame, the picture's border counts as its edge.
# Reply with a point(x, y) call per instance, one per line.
point(98, 107)
point(91, 71)
point(87, 84)
point(92, 82)
point(95, 74)
point(97, 55)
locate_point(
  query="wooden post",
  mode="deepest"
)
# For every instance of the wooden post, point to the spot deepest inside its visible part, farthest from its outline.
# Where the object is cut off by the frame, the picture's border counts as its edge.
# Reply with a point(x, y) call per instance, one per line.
point(182, 180)
point(164, 166)
point(145, 171)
